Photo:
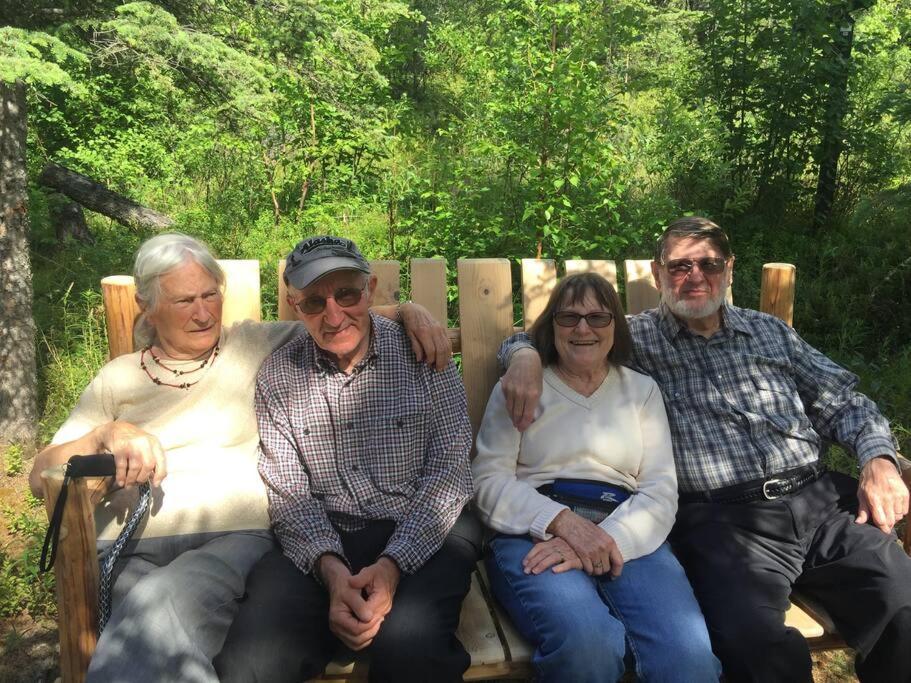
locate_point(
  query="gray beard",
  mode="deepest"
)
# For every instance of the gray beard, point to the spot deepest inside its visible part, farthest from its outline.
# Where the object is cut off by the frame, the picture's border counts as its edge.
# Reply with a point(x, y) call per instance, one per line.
point(689, 311)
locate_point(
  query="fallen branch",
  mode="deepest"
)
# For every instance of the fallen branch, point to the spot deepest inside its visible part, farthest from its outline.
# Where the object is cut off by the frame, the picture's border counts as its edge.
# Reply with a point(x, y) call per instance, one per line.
point(98, 198)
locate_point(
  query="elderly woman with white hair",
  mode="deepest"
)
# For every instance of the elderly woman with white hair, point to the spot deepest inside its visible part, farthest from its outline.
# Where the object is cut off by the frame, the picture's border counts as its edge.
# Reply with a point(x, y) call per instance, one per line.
point(179, 413)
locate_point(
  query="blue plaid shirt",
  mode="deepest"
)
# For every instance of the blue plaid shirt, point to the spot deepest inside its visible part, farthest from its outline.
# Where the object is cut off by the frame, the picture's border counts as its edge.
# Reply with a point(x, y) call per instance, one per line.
point(751, 401)
point(391, 440)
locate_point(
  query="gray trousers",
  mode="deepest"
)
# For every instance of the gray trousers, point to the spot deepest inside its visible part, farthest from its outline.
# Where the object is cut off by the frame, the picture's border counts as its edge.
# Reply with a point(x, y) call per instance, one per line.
point(174, 599)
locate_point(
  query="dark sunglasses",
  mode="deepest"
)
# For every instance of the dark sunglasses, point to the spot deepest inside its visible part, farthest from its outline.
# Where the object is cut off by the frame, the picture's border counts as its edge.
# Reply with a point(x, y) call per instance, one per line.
point(709, 265)
point(344, 297)
point(570, 319)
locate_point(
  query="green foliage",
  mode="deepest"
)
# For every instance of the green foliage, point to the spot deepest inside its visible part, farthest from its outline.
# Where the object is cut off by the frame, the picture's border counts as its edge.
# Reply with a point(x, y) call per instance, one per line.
point(22, 585)
point(13, 457)
point(37, 58)
point(501, 128)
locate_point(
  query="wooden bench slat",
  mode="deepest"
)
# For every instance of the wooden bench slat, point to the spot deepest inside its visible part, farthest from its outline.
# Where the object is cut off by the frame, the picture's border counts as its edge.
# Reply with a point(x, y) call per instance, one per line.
point(428, 286)
point(485, 309)
point(285, 312)
point(242, 295)
point(477, 630)
point(641, 293)
point(606, 269)
point(518, 651)
point(388, 288)
point(539, 276)
point(797, 618)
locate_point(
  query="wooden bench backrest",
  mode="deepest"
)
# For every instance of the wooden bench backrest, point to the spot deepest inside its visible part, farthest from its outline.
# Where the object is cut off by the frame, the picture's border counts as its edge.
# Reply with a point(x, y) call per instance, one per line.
point(485, 302)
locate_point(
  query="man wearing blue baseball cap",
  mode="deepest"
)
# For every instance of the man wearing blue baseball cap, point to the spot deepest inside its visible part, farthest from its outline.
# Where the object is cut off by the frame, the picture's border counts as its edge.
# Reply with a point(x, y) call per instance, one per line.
point(365, 452)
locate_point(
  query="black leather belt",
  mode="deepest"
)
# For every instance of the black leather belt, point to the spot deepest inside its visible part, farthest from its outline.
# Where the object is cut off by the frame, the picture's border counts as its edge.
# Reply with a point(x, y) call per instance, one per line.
point(770, 488)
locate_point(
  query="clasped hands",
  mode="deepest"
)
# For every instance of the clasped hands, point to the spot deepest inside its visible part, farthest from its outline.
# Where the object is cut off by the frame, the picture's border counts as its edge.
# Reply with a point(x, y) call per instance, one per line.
point(358, 603)
point(578, 543)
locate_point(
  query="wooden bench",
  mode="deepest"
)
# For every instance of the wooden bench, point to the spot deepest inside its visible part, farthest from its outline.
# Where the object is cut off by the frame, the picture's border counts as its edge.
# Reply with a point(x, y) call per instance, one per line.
point(485, 318)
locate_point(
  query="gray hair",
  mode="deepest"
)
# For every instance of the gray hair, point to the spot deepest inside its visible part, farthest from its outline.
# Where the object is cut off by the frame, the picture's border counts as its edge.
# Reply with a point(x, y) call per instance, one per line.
point(696, 228)
point(158, 256)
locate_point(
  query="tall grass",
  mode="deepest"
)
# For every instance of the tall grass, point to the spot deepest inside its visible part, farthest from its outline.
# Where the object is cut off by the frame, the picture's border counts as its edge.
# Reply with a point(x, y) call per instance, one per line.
point(72, 355)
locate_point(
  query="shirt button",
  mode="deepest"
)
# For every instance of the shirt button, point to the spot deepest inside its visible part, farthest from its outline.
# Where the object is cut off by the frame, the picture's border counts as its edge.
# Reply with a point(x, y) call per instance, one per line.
point(350, 425)
point(355, 467)
point(400, 423)
point(307, 432)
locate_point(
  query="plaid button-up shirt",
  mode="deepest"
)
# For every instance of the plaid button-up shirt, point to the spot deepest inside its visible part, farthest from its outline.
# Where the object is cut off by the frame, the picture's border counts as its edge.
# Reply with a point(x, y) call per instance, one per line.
point(391, 440)
point(751, 401)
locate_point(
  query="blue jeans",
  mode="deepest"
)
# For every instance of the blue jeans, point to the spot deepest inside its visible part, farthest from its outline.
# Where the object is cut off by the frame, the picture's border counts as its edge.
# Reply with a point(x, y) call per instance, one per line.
point(583, 626)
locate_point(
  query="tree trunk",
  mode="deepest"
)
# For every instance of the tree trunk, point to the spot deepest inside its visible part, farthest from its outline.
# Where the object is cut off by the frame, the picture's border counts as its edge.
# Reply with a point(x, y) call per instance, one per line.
point(833, 129)
point(18, 391)
point(97, 197)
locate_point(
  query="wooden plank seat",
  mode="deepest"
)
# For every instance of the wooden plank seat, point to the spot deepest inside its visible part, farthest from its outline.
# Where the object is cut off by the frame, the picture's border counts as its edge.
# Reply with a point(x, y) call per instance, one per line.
point(485, 318)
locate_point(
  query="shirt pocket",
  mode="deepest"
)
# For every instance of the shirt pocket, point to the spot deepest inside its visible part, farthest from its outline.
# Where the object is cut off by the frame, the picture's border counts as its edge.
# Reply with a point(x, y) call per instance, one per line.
point(398, 444)
point(317, 455)
point(779, 403)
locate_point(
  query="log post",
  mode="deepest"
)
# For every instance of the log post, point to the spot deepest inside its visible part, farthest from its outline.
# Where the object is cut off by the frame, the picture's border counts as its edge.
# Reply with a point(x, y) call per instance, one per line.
point(76, 571)
point(120, 311)
point(777, 295)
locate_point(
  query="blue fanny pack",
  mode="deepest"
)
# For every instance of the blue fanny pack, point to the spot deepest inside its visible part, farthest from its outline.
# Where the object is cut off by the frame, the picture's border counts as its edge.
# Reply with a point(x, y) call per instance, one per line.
point(593, 500)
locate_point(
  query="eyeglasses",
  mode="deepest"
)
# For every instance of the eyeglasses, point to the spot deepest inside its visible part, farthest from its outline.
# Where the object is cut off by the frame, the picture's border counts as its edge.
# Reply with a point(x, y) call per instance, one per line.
point(596, 319)
point(344, 297)
point(709, 265)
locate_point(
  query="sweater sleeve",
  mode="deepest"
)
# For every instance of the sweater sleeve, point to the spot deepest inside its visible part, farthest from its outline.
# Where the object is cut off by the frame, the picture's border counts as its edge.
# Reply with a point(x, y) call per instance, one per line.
point(644, 520)
point(505, 503)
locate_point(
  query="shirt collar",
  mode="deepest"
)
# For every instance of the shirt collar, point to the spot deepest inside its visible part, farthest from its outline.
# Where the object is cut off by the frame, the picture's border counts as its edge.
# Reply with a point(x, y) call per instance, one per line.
point(731, 319)
point(326, 363)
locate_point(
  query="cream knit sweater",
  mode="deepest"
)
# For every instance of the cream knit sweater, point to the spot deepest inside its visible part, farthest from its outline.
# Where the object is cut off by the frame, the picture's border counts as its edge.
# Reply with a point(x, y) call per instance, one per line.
point(618, 435)
point(208, 434)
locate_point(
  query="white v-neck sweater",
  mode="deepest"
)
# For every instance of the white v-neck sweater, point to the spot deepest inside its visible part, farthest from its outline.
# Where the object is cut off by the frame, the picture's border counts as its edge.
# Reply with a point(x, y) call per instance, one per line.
point(618, 435)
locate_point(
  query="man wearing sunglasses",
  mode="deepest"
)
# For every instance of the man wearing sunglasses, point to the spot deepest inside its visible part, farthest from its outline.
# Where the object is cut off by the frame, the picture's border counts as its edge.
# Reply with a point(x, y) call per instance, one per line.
point(751, 407)
point(364, 451)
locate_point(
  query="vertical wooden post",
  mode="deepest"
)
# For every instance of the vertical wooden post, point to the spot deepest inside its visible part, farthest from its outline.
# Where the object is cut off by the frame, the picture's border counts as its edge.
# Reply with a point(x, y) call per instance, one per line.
point(76, 572)
point(539, 276)
point(387, 288)
point(485, 311)
point(428, 286)
point(120, 311)
point(777, 294)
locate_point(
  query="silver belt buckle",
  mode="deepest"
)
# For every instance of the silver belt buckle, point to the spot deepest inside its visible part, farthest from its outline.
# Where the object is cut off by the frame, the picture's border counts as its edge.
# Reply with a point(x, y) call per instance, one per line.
point(771, 482)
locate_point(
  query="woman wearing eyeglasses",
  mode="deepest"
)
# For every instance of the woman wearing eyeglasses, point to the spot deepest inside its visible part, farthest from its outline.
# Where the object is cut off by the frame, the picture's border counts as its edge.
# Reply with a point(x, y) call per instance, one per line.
point(582, 502)
point(179, 413)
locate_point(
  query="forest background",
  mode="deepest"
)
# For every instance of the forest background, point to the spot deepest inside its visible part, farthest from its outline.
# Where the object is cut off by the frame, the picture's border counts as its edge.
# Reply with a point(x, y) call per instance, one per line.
point(509, 128)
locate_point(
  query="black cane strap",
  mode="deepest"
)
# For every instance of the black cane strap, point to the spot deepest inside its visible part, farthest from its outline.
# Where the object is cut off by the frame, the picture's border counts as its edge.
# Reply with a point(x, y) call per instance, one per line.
point(97, 465)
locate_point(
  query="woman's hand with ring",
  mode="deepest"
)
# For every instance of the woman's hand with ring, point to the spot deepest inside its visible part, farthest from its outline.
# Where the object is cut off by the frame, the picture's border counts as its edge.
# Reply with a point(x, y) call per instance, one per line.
point(595, 548)
point(555, 553)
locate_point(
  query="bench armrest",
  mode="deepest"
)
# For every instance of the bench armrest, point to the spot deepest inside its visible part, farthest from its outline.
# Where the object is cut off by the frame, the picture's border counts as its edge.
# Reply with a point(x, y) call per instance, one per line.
point(76, 569)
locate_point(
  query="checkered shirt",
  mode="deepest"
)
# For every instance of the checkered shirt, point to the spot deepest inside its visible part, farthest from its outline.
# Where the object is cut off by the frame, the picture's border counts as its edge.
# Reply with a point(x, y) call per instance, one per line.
point(750, 402)
point(391, 440)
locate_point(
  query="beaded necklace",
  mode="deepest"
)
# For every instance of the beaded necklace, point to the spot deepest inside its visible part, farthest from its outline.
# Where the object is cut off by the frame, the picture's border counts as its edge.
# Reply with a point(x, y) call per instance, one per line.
point(177, 373)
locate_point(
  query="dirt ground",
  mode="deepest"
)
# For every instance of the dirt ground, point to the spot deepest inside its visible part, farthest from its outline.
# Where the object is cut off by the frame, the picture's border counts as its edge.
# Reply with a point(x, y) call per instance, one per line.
point(29, 650)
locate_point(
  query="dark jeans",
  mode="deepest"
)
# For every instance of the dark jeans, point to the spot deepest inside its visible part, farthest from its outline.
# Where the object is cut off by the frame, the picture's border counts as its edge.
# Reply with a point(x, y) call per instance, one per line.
point(743, 561)
point(282, 631)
